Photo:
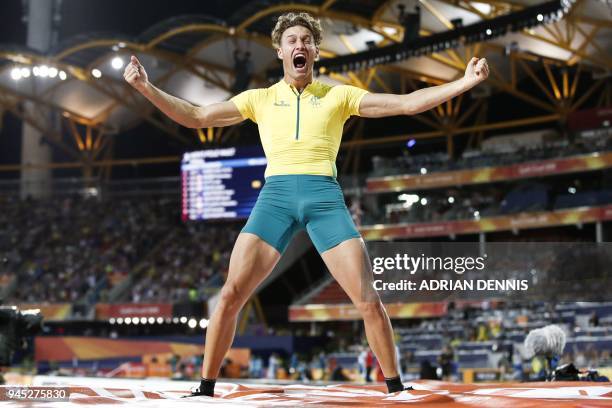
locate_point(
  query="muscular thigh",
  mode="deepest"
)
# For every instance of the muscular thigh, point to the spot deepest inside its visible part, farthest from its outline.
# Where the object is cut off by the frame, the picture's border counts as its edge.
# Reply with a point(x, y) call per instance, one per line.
point(251, 262)
point(350, 265)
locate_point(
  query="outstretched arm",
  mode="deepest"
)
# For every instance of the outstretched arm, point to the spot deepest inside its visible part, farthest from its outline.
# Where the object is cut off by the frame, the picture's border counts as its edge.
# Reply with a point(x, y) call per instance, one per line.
point(179, 110)
point(379, 105)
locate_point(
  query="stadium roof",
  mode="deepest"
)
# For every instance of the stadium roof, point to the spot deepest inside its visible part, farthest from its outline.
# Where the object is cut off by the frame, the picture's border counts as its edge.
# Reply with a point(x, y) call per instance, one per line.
point(191, 56)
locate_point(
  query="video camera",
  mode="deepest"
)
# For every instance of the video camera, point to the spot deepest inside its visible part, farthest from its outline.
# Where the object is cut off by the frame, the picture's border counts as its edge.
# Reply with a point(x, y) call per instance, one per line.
point(15, 327)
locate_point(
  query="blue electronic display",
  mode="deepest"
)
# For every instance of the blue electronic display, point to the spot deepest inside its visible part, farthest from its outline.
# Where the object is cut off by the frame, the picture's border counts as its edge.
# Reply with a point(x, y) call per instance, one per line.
point(221, 183)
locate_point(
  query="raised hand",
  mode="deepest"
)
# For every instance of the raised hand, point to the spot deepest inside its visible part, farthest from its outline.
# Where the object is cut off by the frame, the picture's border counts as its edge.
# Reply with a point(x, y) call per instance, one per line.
point(477, 71)
point(135, 74)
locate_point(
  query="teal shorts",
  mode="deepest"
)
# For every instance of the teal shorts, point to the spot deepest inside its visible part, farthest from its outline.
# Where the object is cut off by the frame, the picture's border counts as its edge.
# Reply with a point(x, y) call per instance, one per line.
point(289, 203)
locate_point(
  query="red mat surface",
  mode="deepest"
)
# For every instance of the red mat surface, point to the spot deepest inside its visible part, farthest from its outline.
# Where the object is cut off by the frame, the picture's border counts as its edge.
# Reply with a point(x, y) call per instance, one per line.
point(427, 393)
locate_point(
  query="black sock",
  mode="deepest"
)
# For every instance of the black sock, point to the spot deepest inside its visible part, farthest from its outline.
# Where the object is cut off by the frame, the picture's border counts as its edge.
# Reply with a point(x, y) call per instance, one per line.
point(207, 387)
point(394, 384)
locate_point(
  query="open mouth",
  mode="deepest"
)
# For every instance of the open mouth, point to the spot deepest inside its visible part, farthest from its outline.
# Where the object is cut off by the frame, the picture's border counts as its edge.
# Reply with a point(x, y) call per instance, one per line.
point(299, 61)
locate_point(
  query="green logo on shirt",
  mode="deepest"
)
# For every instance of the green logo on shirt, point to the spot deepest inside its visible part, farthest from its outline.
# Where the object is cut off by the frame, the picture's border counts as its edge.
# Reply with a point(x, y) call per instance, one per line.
point(315, 102)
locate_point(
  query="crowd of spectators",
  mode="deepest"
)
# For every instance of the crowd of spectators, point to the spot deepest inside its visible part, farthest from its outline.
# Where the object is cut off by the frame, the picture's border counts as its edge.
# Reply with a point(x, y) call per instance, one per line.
point(193, 258)
point(497, 332)
point(474, 203)
point(485, 336)
point(470, 159)
point(76, 249)
point(477, 201)
point(441, 348)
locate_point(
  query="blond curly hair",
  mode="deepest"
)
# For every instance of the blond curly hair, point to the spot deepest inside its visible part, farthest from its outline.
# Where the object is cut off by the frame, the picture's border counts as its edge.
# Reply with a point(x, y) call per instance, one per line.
point(296, 19)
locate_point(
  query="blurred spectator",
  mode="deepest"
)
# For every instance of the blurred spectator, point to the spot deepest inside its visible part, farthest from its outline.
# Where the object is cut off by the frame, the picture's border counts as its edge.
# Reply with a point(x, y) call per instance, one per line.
point(361, 361)
point(369, 364)
point(593, 320)
point(446, 361)
point(428, 372)
point(255, 366)
point(336, 371)
point(273, 366)
point(75, 249)
point(438, 161)
point(356, 211)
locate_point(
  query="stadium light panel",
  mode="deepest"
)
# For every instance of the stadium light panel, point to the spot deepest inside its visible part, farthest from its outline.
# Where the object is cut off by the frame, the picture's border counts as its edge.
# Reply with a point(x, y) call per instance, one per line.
point(16, 74)
point(117, 63)
point(43, 71)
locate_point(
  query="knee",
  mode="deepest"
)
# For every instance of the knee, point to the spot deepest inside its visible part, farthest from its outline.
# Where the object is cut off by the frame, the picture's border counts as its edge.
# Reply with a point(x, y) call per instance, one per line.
point(231, 298)
point(371, 310)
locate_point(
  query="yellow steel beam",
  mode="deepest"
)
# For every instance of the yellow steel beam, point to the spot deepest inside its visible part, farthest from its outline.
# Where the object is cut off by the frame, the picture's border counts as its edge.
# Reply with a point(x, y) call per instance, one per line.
point(41, 101)
point(496, 79)
point(537, 81)
point(135, 109)
point(382, 84)
point(455, 57)
point(459, 122)
point(423, 77)
point(458, 104)
point(327, 4)
point(316, 10)
point(100, 146)
point(189, 28)
point(439, 133)
point(347, 44)
point(448, 62)
point(575, 82)
point(76, 135)
point(553, 35)
point(558, 41)
point(75, 165)
point(49, 134)
point(341, 78)
point(594, 21)
point(84, 75)
point(592, 41)
point(380, 10)
point(561, 40)
point(370, 77)
point(594, 86)
point(420, 117)
point(553, 82)
point(586, 41)
point(437, 14)
point(88, 138)
point(277, 9)
point(596, 59)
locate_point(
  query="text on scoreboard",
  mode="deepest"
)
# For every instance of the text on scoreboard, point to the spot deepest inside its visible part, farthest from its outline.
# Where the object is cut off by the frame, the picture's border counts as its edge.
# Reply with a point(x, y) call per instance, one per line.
point(221, 183)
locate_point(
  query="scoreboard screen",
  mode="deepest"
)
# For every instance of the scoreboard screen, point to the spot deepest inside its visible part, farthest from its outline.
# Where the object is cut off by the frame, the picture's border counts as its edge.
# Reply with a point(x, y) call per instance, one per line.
point(221, 183)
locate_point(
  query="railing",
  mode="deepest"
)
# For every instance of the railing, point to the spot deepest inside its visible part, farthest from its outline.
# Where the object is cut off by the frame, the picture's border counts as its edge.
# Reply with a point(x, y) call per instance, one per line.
point(164, 186)
point(170, 186)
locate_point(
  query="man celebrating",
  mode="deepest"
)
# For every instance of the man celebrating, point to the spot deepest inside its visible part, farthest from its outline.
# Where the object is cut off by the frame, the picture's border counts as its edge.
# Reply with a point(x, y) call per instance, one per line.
point(300, 122)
